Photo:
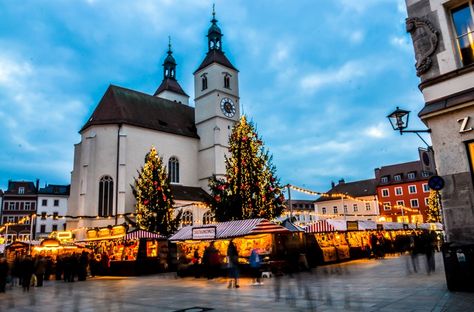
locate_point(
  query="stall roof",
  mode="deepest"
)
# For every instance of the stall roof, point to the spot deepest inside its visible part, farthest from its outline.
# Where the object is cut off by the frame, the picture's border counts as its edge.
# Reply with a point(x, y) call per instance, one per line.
point(137, 234)
point(367, 225)
point(397, 226)
point(291, 226)
point(326, 226)
point(233, 229)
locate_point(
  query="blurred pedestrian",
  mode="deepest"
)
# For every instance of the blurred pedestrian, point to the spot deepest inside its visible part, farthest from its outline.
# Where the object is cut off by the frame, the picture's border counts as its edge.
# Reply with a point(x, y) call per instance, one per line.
point(40, 269)
point(27, 268)
point(233, 262)
point(255, 264)
point(3, 274)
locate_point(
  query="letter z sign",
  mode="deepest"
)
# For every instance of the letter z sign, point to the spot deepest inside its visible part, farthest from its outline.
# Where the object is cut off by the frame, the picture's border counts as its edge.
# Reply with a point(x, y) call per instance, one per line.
point(464, 125)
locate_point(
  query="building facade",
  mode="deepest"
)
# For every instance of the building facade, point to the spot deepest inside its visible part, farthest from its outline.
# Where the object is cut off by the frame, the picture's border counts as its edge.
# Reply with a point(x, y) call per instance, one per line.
point(402, 191)
point(349, 201)
point(52, 206)
point(303, 212)
point(19, 204)
point(191, 140)
point(442, 32)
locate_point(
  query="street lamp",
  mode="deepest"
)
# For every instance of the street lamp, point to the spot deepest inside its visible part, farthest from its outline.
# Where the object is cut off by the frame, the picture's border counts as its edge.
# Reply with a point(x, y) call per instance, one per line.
point(399, 121)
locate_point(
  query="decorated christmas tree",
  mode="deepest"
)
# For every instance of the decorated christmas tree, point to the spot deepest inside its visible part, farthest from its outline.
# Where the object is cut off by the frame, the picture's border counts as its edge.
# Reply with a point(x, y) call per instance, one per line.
point(250, 188)
point(154, 201)
point(434, 207)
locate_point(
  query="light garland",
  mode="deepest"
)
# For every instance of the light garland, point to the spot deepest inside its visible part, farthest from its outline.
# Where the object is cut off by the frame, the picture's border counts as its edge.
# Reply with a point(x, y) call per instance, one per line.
point(345, 196)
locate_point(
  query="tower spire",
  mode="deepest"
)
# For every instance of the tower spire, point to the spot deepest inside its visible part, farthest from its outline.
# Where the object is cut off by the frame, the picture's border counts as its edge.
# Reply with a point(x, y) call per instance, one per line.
point(214, 33)
point(169, 65)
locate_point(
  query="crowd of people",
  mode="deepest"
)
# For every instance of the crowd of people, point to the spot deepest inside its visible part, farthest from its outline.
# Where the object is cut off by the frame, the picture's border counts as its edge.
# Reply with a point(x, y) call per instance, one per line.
point(27, 271)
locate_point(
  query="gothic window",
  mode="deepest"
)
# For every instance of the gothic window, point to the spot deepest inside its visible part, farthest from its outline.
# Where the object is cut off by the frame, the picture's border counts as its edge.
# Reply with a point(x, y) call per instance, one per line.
point(187, 218)
point(173, 169)
point(106, 193)
point(208, 218)
point(204, 81)
point(463, 20)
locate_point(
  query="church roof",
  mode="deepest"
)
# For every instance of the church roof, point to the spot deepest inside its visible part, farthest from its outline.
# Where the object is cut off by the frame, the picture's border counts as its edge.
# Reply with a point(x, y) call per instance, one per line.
point(215, 56)
point(170, 84)
point(124, 106)
point(191, 193)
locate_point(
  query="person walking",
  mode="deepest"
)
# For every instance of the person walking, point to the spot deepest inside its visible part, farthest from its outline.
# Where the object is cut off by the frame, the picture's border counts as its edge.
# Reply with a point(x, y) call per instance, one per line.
point(27, 269)
point(233, 261)
point(3, 274)
point(255, 264)
point(40, 269)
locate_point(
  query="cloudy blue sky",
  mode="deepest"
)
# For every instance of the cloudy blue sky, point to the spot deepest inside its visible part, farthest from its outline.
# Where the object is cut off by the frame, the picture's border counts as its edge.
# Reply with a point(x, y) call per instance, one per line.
point(317, 77)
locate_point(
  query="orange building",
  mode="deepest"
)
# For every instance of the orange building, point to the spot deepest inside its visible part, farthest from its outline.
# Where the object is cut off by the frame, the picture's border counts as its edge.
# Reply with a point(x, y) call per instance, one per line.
point(402, 191)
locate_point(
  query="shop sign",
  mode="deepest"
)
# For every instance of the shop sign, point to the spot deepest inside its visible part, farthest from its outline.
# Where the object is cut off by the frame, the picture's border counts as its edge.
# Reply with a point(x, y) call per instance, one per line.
point(204, 232)
point(352, 226)
point(66, 235)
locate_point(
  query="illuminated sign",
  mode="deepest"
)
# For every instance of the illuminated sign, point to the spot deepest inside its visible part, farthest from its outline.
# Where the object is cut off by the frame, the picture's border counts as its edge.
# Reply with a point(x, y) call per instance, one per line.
point(352, 226)
point(204, 232)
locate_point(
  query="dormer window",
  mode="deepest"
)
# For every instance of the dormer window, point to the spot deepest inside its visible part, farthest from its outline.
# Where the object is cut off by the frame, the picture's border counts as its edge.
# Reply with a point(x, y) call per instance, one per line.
point(384, 179)
point(397, 177)
point(21, 190)
point(411, 175)
point(204, 81)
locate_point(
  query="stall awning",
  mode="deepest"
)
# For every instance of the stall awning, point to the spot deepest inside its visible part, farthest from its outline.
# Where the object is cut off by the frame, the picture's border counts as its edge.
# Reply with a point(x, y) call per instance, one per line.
point(232, 229)
point(137, 234)
point(367, 225)
point(320, 226)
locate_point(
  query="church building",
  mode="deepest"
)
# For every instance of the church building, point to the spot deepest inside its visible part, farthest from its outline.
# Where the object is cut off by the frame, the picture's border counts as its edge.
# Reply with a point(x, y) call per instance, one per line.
point(191, 140)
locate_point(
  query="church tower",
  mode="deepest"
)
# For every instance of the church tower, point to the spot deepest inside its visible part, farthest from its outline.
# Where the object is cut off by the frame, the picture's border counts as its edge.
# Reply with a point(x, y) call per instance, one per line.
point(169, 88)
point(217, 109)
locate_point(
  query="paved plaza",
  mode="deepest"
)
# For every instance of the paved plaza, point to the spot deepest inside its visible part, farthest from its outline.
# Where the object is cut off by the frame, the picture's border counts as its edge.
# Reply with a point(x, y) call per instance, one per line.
point(362, 285)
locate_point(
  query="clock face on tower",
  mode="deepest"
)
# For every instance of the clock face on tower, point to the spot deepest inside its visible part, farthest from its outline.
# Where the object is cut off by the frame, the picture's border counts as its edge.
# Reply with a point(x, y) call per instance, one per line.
point(227, 107)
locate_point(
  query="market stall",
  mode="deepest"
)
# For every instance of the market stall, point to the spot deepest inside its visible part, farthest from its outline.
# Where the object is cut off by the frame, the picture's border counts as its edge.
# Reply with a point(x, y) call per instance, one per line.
point(358, 237)
point(268, 237)
point(134, 253)
point(327, 236)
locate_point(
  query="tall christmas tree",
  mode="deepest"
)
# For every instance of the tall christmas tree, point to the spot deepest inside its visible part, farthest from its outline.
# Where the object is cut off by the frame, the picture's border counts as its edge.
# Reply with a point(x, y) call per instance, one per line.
point(434, 207)
point(154, 201)
point(251, 188)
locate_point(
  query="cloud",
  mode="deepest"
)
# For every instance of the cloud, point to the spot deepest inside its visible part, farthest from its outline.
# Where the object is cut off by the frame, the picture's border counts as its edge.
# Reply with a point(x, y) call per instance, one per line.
point(377, 131)
point(402, 43)
point(348, 71)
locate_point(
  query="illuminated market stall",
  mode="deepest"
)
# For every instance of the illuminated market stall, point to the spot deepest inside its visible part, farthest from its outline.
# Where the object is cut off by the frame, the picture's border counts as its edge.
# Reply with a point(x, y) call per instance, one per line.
point(326, 241)
point(134, 253)
point(268, 237)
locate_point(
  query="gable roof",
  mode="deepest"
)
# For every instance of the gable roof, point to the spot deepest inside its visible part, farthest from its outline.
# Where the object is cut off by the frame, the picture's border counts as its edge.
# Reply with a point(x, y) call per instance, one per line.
point(215, 56)
point(169, 84)
point(354, 189)
point(124, 106)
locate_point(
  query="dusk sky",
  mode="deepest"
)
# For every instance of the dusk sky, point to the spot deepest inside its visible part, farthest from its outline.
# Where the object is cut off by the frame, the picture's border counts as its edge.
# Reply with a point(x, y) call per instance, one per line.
point(317, 77)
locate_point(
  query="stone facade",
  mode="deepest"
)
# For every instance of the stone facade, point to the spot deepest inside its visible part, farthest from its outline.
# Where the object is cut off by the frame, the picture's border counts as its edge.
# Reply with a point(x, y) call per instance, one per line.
point(448, 91)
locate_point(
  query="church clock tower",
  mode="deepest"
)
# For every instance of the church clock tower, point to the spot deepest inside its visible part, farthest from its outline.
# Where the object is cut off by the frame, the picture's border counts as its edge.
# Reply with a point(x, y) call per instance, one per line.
point(217, 106)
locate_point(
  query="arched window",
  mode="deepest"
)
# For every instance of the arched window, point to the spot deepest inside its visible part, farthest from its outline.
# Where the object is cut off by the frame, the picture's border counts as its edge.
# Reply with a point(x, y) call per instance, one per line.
point(204, 81)
point(207, 218)
point(173, 169)
point(187, 218)
point(227, 81)
point(106, 193)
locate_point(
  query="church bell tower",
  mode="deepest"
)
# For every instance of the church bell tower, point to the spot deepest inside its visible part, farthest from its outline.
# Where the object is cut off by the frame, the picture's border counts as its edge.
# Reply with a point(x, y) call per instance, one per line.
point(217, 106)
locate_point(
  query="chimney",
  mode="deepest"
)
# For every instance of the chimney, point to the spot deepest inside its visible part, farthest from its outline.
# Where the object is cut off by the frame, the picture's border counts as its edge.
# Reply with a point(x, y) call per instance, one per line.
point(333, 184)
point(37, 184)
point(341, 181)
